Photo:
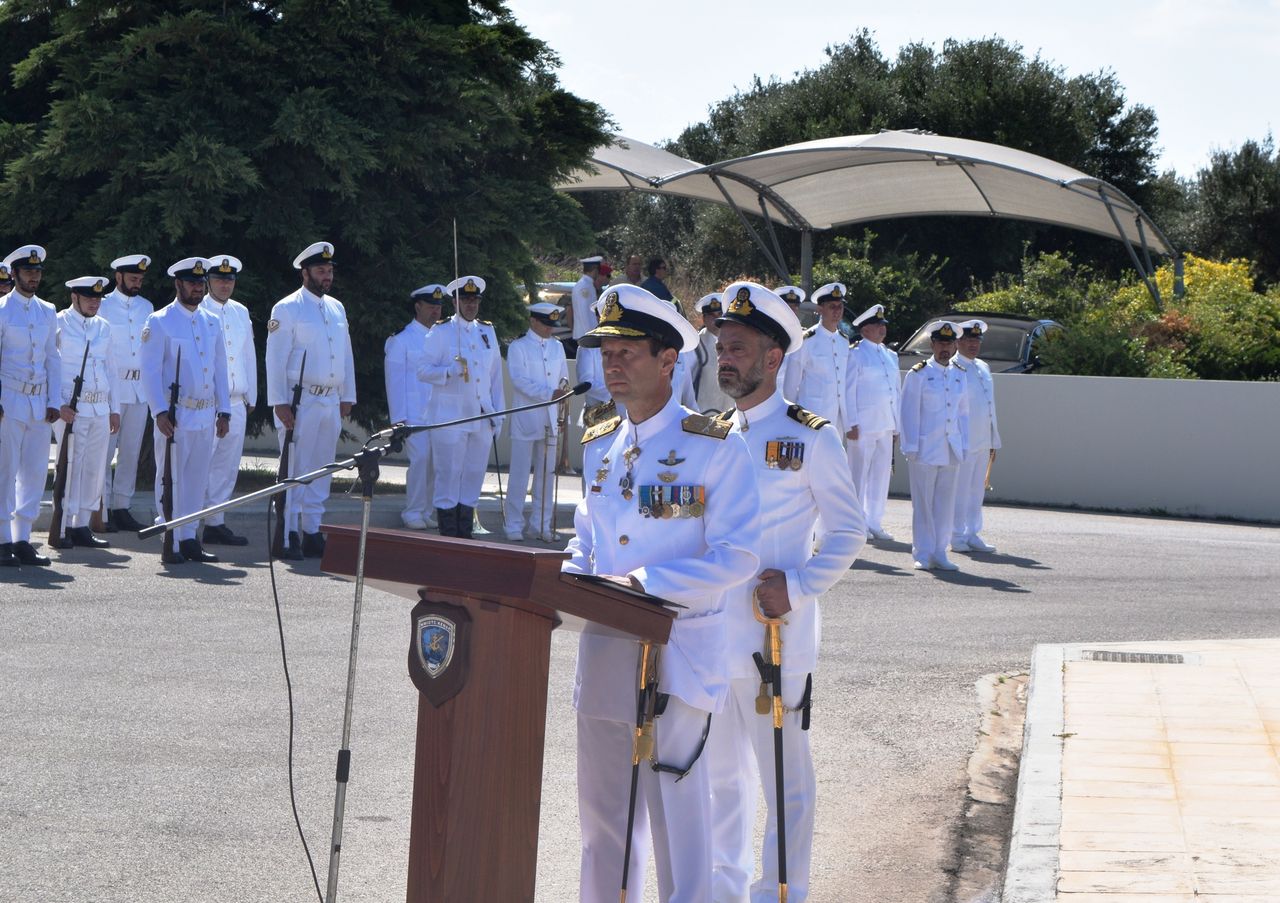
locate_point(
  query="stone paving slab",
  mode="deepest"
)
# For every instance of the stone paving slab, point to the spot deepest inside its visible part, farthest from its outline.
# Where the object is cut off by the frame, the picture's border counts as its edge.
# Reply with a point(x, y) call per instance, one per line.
point(1150, 782)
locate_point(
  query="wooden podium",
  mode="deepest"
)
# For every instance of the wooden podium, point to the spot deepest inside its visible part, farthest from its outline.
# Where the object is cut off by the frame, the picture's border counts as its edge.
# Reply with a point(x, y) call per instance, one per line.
point(479, 652)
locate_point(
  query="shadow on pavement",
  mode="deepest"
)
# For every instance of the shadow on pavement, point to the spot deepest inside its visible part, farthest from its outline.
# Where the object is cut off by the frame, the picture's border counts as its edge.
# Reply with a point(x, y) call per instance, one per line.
point(997, 558)
point(32, 577)
point(884, 570)
point(960, 578)
point(208, 574)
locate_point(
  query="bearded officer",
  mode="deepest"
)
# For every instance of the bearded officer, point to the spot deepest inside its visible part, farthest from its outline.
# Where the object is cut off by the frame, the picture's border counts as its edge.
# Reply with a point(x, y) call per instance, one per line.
point(409, 399)
point(84, 339)
point(6, 280)
point(464, 365)
point(203, 410)
point(984, 439)
point(671, 508)
point(310, 323)
point(816, 381)
point(804, 480)
point(126, 311)
point(30, 385)
point(536, 364)
point(935, 427)
point(873, 390)
point(242, 385)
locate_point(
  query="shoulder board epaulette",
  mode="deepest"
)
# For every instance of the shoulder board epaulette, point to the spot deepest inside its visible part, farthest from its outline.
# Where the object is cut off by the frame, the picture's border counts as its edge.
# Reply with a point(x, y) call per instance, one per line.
point(726, 416)
point(811, 331)
point(703, 425)
point(485, 323)
point(808, 418)
point(919, 366)
point(958, 367)
point(603, 428)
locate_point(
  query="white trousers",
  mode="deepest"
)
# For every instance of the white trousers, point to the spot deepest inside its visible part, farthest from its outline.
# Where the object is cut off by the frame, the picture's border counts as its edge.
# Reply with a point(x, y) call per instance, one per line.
point(740, 760)
point(315, 444)
point(224, 467)
point(970, 493)
point(870, 462)
point(933, 497)
point(85, 468)
point(461, 457)
point(541, 454)
point(418, 478)
point(24, 467)
point(192, 451)
point(125, 447)
point(676, 815)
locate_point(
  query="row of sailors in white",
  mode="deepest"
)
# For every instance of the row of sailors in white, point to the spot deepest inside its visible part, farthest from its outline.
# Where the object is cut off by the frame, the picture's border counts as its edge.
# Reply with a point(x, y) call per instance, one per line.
point(749, 489)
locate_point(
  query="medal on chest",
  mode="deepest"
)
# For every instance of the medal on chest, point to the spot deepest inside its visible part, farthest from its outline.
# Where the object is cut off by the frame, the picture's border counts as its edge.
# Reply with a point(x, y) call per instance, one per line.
point(784, 454)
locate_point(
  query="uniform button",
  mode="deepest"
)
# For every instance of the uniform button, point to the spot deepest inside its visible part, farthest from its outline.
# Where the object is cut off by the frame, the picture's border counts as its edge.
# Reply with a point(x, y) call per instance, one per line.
point(623, 539)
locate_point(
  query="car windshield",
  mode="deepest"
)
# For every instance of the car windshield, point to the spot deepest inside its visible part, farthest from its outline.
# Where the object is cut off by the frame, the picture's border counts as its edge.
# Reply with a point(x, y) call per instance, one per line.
point(1001, 343)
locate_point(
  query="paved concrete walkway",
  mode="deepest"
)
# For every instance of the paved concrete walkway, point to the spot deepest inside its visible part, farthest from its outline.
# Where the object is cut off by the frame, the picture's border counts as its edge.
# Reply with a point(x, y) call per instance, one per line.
point(1150, 782)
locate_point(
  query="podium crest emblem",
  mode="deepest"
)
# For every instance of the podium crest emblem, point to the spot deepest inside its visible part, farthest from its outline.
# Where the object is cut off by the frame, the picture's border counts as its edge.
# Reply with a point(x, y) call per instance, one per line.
point(436, 636)
point(439, 648)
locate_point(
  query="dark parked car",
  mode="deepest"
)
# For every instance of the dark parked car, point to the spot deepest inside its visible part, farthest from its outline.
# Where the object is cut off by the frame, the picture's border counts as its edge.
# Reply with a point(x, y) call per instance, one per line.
point(1010, 345)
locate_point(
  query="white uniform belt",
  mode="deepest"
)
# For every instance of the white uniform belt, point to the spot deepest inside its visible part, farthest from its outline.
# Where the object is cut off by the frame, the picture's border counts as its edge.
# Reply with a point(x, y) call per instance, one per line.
point(131, 374)
point(321, 391)
point(195, 404)
point(93, 397)
point(29, 388)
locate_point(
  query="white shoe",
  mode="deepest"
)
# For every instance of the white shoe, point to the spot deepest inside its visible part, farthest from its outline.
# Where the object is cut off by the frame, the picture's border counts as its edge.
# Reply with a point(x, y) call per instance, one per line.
point(959, 545)
point(976, 544)
point(430, 521)
point(548, 537)
point(414, 523)
point(945, 564)
point(920, 565)
point(880, 534)
point(515, 537)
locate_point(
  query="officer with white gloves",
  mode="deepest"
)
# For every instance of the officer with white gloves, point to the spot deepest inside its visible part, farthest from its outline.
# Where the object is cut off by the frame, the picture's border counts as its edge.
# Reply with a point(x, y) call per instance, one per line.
point(242, 385)
point(30, 386)
point(984, 439)
point(84, 339)
point(310, 324)
point(464, 365)
point(873, 392)
point(935, 430)
point(671, 508)
point(409, 400)
point(538, 370)
point(126, 311)
point(802, 476)
point(816, 381)
point(202, 413)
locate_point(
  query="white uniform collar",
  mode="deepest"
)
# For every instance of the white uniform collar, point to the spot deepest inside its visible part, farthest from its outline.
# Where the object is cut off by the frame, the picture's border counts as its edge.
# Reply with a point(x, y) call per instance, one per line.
point(767, 408)
point(308, 296)
point(933, 362)
point(182, 308)
point(671, 412)
point(415, 325)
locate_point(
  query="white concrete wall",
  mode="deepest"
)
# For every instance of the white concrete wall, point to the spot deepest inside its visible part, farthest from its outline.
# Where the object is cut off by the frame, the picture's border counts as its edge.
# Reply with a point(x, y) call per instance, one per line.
point(1187, 447)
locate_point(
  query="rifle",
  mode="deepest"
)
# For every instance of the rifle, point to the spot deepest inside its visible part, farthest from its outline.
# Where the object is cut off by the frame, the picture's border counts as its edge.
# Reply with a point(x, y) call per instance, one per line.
point(278, 501)
point(166, 482)
point(64, 464)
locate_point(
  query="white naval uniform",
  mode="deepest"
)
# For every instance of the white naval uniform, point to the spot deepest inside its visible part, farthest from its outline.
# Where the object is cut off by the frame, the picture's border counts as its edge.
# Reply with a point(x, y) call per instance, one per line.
point(816, 376)
point(127, 316)
point(873, 391)
point(537, 367)
point(408, 401)
point(306, 324)
point(935, 426)
point(984, 436)
point(741, 744)
point(242, 387)
point(202, 394)
point(87, 454)
point(682, 380)
point(461, 453)
point(30, 383)
point(689, 560)
point(584, 296)
point(706, 381)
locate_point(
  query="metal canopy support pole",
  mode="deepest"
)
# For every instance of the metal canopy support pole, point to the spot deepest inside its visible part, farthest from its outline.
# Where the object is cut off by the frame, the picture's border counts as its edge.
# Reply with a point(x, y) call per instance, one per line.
point(806, 261)
point(1179, 288)
point(778, 265)
point(773, 235)
point(1146, 252)
point(1133, 256)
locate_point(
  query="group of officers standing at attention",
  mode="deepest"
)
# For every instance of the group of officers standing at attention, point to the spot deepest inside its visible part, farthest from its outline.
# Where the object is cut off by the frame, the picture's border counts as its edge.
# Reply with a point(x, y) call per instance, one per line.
point(93, 371)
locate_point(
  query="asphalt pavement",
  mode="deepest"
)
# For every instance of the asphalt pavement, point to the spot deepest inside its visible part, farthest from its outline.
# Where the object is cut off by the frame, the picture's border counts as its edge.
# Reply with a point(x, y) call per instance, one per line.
point(144, 713)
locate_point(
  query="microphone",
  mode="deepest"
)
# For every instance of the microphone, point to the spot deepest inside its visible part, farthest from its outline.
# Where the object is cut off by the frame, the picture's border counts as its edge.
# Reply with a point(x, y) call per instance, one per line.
point(398, 432)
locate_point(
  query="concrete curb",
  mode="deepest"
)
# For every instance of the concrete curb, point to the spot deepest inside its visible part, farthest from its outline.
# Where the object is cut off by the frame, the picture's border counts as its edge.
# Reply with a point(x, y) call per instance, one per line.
point(1031, 874)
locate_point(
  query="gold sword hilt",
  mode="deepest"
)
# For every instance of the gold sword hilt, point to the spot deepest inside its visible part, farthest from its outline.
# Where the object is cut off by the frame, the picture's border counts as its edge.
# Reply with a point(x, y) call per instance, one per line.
point(643, 743)
point(773, 639)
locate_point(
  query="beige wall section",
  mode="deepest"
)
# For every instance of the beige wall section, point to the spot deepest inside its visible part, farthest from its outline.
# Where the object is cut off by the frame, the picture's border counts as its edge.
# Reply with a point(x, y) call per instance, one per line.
point(1187, 447)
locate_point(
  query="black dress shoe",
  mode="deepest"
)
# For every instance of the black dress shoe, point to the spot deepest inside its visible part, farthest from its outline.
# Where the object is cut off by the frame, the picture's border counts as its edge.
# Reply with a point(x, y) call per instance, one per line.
point(191, 550)
point(28, 555)
point(312, 544)
point(466, 521)
point(447, 521)
point(293, 549)
point(125, 521)
point(7, 558)
point(66, 542)
point(99, 524)
point(221, 535)
point(83, 536)
point(174, 557)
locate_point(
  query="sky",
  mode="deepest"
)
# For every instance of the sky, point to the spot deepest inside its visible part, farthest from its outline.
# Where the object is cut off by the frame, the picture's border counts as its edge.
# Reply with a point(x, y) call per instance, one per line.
point(1206, 68)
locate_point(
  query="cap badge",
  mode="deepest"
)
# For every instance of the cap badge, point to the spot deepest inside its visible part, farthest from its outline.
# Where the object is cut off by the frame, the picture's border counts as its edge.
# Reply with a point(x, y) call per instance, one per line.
point(791, 297)
point(836, 293)
point(470, 286)
point(741, 303)
point(438, 295)
point(99, 285)
point(612, 309)
point(142, 266)
point(554, 316)
point(225, 266)
point(946, 332)
point(198, 269)
point(34, 258)
point(326, 252)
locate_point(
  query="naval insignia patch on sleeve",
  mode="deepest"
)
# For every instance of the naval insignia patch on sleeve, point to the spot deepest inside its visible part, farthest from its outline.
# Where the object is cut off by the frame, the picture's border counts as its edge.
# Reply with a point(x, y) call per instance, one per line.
point(273, 325)
point(703, 425)
point(808, 418)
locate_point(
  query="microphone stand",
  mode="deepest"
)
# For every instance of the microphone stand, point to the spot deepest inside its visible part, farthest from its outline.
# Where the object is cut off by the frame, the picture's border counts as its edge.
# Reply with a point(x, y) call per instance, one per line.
point(365, 462)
